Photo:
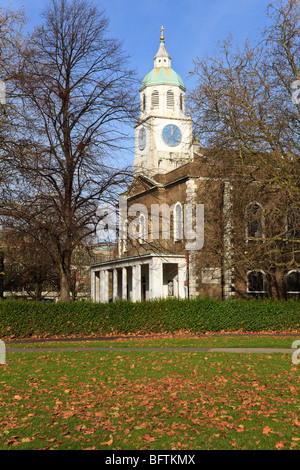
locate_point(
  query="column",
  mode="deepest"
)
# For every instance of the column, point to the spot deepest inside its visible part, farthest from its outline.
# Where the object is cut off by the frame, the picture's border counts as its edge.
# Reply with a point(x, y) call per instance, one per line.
point(124, 283)
point(97, 287)
point(138, 282)
point(156, 278)
point(93, 285)
point(104, 285)
point(115, 284)
point(101, 276)
point(181, 279)
point(133, 284)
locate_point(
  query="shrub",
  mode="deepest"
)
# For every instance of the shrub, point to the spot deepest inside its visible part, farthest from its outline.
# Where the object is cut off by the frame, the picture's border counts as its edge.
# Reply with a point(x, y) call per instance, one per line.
point(20, 318)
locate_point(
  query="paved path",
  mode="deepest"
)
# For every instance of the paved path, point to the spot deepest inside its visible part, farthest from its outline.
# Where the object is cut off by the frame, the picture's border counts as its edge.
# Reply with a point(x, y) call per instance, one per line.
point(226, 350)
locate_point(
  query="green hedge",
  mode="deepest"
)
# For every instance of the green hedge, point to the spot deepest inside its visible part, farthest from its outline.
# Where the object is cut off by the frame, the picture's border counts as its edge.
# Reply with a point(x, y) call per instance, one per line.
point(21, 319)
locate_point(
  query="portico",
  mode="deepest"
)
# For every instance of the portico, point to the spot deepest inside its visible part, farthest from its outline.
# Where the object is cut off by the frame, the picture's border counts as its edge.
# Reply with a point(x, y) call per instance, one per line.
point(139, 278)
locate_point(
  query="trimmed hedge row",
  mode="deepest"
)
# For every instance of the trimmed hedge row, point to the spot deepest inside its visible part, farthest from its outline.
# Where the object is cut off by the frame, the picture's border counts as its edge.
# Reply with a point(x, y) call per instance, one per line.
point(21, 319)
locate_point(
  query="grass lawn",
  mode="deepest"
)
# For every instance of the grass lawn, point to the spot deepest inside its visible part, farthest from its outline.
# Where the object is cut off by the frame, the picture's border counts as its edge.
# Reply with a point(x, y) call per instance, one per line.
point(149, 400)
point(168, 341)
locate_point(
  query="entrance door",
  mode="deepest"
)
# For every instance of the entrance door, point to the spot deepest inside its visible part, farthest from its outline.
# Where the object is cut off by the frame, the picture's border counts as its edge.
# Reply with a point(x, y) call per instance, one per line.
point(144, 289)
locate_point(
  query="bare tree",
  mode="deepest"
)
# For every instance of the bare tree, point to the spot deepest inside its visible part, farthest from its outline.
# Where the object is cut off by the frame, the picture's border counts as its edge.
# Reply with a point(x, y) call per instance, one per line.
point(246, 112)
point(29, 267)
point(76, 97)
point(11, 40)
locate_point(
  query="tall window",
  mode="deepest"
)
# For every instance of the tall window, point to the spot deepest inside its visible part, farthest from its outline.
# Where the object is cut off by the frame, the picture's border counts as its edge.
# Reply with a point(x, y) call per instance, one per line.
point(254, 221)
point(125, 241)
point(170, 99)
point(293, 223)
point(143, 232)
point(144, 102)
point(256, 282)
point(181, 102)
point(293, 282)
point(155, 99)
point(178, 222)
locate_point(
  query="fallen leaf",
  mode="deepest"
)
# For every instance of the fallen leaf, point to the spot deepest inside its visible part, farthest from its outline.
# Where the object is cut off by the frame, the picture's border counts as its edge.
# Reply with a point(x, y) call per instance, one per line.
point(280, 444)
point(267, 430)
point(108, 443)
point(67, 414)
point(17, 397)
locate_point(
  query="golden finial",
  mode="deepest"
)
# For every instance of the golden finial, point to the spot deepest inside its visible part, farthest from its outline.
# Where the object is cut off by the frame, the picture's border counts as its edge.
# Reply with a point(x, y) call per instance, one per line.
point(162, 33)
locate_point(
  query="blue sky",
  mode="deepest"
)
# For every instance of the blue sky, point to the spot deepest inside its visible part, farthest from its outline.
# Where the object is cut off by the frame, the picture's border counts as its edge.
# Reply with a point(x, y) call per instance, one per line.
point(192, 27)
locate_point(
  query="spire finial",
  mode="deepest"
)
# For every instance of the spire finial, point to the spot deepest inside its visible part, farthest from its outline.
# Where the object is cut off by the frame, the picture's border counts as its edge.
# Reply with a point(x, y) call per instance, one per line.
point(162, 33)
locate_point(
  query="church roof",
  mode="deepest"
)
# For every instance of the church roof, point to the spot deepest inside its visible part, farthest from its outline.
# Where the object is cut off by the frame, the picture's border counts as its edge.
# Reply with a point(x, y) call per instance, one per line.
point(162, 76)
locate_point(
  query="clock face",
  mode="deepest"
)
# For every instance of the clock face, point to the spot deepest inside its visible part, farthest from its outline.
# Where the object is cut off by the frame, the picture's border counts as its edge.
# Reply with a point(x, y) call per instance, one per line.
point(142, 138)
point(171, 135)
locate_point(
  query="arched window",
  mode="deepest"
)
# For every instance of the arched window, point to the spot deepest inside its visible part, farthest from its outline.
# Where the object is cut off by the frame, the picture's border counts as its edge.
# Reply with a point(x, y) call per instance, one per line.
point(293, 223)
point(143, 232)
point(293, 282)
point(178, 222)
point(256, 282)
point(155, 99)
point(170, 99)
point(254, 221)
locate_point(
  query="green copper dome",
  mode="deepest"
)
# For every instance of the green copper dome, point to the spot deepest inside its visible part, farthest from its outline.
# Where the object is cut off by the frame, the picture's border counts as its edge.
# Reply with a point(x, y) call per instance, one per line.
point(162, 76)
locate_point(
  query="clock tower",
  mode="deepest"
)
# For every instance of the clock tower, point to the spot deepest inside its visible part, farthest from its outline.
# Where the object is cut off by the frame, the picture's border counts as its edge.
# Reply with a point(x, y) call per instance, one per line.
point(163, 132)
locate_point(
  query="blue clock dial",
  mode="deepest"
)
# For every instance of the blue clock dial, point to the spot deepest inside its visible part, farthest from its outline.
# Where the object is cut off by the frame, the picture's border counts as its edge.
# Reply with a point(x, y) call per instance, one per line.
point(171, 135)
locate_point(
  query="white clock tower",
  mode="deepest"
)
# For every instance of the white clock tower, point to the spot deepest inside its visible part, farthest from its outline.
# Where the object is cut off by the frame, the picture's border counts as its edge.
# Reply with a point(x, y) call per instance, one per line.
point(163, 133)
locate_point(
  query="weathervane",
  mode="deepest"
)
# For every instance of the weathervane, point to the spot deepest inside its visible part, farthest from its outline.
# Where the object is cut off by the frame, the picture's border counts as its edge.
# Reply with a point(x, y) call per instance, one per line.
point(162, 33)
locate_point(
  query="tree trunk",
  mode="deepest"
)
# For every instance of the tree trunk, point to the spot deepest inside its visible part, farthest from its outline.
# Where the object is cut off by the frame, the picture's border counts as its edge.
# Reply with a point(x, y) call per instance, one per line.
point(65, 279)
point(39, 290)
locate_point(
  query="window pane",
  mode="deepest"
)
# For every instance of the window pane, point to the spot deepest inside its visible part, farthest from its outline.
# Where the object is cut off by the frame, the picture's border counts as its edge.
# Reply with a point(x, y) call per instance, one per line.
point(256, 281)
point(170, 99)
point(155, 99)
point(254, 221)
point(293, 282)
point(293, 223)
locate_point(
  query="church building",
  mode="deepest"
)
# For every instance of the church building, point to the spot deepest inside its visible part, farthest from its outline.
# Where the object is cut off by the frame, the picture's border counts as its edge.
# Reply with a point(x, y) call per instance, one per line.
point(182, 219)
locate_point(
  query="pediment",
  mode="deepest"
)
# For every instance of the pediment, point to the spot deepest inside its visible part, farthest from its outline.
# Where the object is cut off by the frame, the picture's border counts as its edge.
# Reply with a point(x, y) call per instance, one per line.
point(140, 184)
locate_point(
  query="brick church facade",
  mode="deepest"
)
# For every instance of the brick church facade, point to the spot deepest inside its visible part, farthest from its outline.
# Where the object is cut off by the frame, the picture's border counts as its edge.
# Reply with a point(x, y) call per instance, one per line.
point(190, 225)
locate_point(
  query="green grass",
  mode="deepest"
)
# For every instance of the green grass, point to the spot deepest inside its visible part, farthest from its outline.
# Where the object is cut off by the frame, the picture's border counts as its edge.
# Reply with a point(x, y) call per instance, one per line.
point(146, 342)
point(149, 400)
